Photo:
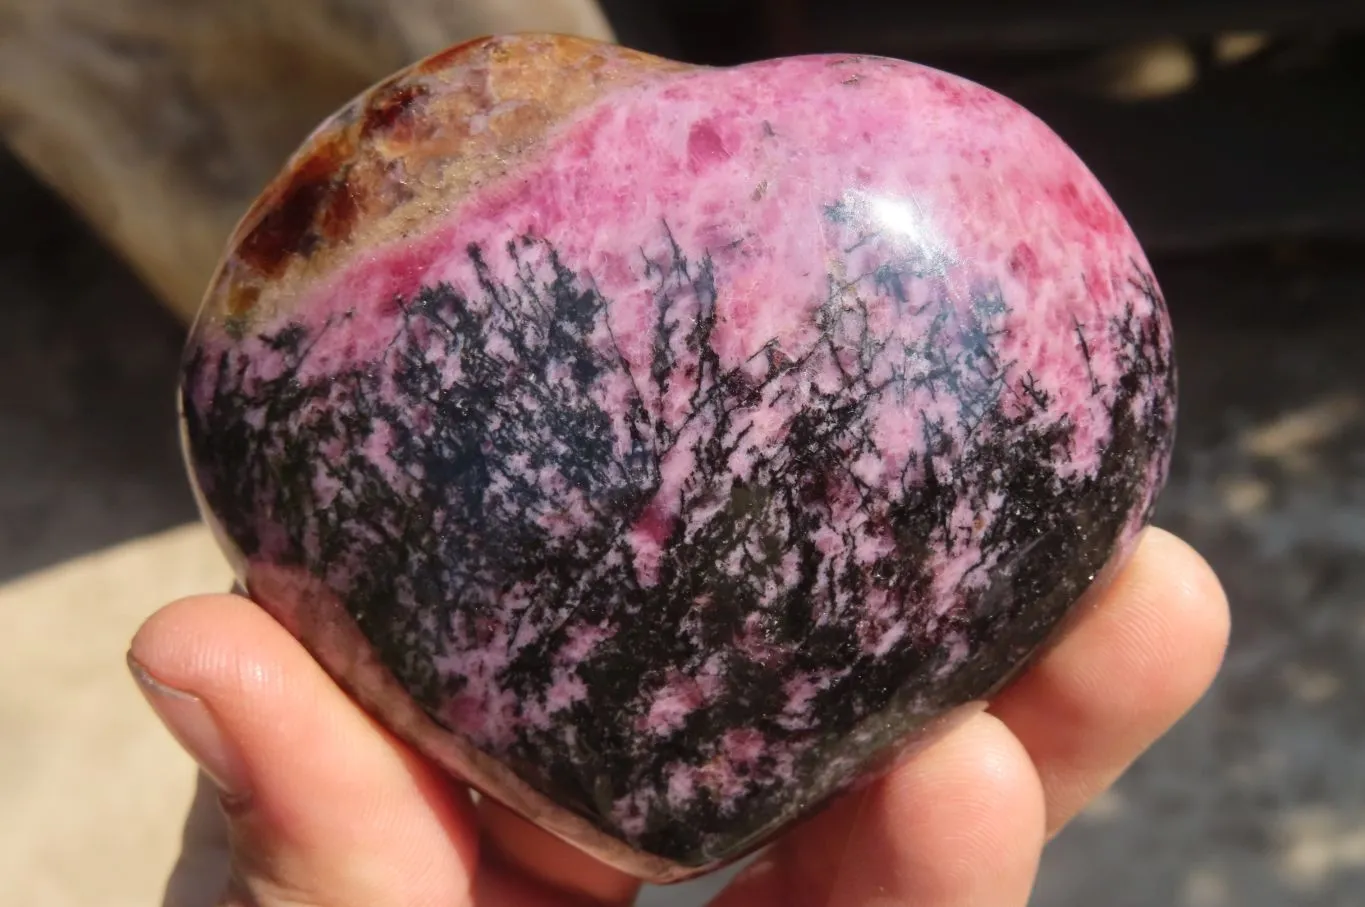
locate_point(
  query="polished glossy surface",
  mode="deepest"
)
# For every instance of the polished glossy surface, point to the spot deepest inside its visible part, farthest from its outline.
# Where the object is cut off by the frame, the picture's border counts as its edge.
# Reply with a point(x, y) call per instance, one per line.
point(662, 449)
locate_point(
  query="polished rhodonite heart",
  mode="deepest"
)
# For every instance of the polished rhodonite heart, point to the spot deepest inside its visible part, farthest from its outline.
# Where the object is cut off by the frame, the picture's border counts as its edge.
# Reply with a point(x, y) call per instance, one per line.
point(663, 449)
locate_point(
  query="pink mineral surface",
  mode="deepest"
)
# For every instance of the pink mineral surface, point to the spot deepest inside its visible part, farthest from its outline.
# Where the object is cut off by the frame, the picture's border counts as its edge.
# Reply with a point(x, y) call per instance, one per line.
point(665, 453)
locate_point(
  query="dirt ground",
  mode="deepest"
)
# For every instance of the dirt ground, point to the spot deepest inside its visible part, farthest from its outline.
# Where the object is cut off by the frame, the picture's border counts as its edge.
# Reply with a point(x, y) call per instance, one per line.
point(1257, 800)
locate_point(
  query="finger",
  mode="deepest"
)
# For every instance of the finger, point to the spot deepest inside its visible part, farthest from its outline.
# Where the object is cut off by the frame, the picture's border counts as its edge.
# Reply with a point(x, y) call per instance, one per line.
point(1128, 670)
point(959, 825)
point(323, 806)
point(516, 847)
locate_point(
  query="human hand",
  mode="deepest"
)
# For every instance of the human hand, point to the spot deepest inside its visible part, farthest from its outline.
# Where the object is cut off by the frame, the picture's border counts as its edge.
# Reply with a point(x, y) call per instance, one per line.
point(322, 807)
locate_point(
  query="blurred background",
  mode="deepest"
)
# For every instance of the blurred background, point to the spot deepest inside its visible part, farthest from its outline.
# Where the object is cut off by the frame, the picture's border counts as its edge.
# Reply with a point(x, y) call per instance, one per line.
point(1232, 133)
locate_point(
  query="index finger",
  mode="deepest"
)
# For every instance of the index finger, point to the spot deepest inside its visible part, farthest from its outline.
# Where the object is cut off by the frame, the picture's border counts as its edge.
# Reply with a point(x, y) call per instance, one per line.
point(1131, 666)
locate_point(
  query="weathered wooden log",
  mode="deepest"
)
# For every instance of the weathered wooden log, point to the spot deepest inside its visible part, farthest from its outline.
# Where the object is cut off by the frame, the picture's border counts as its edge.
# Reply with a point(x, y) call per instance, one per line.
point(160, 120)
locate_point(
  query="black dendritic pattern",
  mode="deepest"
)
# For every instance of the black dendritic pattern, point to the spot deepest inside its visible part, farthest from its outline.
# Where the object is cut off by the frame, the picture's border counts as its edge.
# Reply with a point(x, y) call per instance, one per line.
point(428, 549)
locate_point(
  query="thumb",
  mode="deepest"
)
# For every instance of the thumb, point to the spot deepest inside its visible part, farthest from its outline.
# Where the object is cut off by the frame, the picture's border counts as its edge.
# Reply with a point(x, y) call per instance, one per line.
point(323, 807)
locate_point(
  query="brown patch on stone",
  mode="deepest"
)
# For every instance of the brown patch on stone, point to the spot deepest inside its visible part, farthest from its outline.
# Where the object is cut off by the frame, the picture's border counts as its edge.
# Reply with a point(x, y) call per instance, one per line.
point(291, 207)
point(339, 212)
point(451, 55)
point(386, 109)
point(415, 146)
point(241, 299)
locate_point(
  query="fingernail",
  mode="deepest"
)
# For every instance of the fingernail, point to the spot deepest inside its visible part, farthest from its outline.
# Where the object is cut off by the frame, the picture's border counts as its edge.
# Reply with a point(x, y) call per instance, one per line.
point(194, 728)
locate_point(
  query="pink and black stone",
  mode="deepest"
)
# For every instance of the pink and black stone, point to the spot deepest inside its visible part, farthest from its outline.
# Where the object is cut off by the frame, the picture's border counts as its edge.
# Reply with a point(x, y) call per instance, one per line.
point(662, 450)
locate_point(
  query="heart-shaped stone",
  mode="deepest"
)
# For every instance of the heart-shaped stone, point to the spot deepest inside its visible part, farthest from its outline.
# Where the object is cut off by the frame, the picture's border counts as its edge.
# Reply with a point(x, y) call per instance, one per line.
point(664, 449)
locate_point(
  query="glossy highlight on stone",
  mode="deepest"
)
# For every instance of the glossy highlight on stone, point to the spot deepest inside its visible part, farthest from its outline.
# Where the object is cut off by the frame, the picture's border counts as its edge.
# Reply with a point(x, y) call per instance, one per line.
point(662, 449)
